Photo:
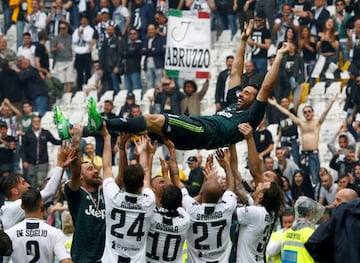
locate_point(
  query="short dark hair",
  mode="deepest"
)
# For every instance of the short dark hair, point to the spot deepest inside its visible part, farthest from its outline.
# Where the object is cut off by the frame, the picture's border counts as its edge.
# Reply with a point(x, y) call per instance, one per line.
point(27, 102)
point(342, 1)
point(26, 34)
point(288, 211)
point(133, 178)
point(9, 182)
point(109, 101)
point(42, 35)
point(30, 200)
point(350, 148)
point(171, 198)
point(65, 23)
point(230, 57)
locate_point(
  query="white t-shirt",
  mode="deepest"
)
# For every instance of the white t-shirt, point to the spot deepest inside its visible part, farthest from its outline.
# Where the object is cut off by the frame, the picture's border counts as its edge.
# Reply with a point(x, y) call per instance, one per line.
point(201, 5)
point(209, 234)
point(166, 236)
point(27, 53)
point(35, 241)
point(254, 233)
point(128, 219)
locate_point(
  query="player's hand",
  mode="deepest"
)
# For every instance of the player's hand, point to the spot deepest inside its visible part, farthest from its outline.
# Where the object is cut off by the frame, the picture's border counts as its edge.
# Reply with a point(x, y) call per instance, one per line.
point(284, 48)
point(169, 144)
point(151, 148)
point(164, 165)
point(246, 130)
point(122, 139)
point(248, 27)
point(104, 131)
point(223, 157)
point(66, 154)
point(209, 171)
point(210, 160)
point(76, 132)
point(141, 144)
point(272, 101)
point(334, 96)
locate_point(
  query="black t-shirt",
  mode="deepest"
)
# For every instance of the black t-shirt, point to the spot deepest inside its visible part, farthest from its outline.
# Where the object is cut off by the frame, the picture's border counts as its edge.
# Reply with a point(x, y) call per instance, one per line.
point(41, 52)
point(356, 49)
point(6, 155)
point(306, 6)
point(224, 7)
point(309, 55)
point(259, 36)
point(326, 46)
point(287, 126)
point(289, 65)
point(262, 140)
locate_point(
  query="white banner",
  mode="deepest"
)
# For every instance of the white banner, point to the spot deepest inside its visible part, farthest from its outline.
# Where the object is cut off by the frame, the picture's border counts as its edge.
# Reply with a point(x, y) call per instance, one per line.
point(188, 44)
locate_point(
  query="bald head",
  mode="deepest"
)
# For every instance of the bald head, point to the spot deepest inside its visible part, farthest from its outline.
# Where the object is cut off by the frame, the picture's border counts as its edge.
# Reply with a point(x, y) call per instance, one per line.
point(211, 191)
point(345, 195)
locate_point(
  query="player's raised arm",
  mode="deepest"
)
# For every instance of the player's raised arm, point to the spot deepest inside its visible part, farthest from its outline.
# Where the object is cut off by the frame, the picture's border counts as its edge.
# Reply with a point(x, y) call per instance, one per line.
point(272, 75)
point(75, 167)
point(173, 166)
point(238, 64)
point(141, 146)
point(255, 166)
point(106, 152)
point(121, 143)
point(151, 149)
point(224, 159)
point(66, 155)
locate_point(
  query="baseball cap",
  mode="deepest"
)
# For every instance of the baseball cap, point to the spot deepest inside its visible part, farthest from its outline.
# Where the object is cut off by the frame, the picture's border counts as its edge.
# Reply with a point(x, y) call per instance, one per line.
point(104, 10)
point(260, 14)
point(271, 55)
point(130, 95)
point(191, 159)
point(3, 124)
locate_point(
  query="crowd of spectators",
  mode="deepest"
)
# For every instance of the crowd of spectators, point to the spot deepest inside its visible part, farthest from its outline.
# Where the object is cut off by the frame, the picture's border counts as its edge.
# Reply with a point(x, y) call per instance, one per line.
point(106, 45)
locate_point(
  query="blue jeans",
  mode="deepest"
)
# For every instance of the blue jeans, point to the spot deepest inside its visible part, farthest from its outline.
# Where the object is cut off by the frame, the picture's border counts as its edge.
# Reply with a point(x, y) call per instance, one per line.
point(153, 76)
point(132, 81)
point(260, 65)
point(344, 49)
point(112, 82)
point(228, 21)
point(40, 105)
point(20, 25)
point(310, 163)
point(75, 16)
point(294, 144)
point(7, 16)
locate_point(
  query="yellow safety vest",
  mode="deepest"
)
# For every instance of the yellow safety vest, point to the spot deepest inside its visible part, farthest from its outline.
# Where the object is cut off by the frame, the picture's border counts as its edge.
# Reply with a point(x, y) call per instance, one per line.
point(293, 249)
point(275, 237)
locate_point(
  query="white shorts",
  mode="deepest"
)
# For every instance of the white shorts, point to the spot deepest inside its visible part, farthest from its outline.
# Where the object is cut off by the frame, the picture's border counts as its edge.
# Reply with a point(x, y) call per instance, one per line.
point(64, 71)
